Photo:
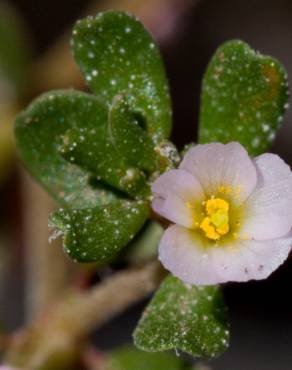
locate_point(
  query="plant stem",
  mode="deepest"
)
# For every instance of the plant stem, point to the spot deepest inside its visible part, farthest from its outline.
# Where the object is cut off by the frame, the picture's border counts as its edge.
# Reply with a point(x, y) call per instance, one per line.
point(47, 269)
point(57, 334)
point(112, 296)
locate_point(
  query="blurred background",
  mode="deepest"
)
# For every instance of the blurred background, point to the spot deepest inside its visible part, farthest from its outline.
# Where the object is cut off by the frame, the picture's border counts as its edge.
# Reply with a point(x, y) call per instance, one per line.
point(188, 32)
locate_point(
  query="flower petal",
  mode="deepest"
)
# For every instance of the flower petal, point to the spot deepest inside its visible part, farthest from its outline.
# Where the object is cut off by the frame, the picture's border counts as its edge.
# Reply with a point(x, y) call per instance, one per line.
point(216, 165)
point(184, 254)
point(173, 209)
point(250, 259)
point(181, 251)
point(173, 191)
point(269, 208)
point(180, 183)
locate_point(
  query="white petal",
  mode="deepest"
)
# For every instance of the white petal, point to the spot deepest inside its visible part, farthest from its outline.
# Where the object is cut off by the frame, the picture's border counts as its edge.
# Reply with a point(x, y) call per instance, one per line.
point(174, 209)
point(173, 191)
point(184, 254)
point(251, 259)
point(217, 164)
point(178, 182)
point(269, 208)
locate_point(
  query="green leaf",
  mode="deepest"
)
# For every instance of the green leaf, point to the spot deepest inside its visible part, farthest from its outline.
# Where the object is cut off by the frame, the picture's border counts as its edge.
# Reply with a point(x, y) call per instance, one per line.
point(115, 53)
point(39, 130)
point(14, 49)
point(98, 234)
point(130, 140)
point(145, 245)
point(185, 317)
point(244, 97)
point(128, 358)
point(90, 147)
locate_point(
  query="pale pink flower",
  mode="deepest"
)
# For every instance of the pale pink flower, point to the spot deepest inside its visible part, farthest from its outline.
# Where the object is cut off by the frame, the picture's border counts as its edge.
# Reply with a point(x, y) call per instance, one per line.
point(232, 215)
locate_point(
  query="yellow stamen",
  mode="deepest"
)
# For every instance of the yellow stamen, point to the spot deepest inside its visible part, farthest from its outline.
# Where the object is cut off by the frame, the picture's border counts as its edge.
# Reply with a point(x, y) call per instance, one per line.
point(190, 205)
point(216, 222)
point(225, 189)
point(209, 229)
point(229, 190)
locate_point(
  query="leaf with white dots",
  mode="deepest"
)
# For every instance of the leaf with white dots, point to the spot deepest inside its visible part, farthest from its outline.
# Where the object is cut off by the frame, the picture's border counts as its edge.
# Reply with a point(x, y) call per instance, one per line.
point(130, 140)
point(90, 148)
point(115, 53)
point(39, 131)
point(244, 97)
point(98, 234)
point(184, 317)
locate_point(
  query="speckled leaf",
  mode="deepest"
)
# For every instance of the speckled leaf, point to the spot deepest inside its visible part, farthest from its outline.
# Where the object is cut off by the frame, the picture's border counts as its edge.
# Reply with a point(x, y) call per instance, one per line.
point(39, 130)
point(185, 317)
point(115, 53)
point(90, 147)
point(244, 97)
point(130, 140)
point(98, 234)
point(129, 358)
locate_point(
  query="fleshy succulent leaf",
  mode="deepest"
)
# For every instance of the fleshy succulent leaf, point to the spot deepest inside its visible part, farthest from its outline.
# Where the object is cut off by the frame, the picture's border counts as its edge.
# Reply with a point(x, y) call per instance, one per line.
point(145, 245)
point(116, 54)
point(90, 147)
point(130, 140)
point(98, 234)
point(185, 317)
point(39, 131)
point(244, 97)
point(129, 358)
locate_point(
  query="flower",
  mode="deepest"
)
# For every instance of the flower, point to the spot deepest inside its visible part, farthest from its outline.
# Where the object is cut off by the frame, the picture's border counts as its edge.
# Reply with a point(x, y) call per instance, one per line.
point(232, 215)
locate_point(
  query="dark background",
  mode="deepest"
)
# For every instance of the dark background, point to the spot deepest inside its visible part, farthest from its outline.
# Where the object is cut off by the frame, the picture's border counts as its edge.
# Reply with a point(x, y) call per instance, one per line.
point(260, 312)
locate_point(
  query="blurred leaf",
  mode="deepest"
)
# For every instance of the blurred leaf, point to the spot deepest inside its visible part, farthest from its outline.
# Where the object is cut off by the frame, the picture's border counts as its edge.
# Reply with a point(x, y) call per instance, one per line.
point(200, 367)
point(244, 97)
point(39, 130)
point(98, 234)
point(115, 53)
point(7, 149)
point(14, 50)
point(145, 244)
point(128, 358)
point(185, 317)
point(130, 140)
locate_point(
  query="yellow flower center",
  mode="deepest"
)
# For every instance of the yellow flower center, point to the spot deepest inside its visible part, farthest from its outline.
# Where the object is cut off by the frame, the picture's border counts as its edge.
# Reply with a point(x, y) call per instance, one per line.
point(216, 222)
